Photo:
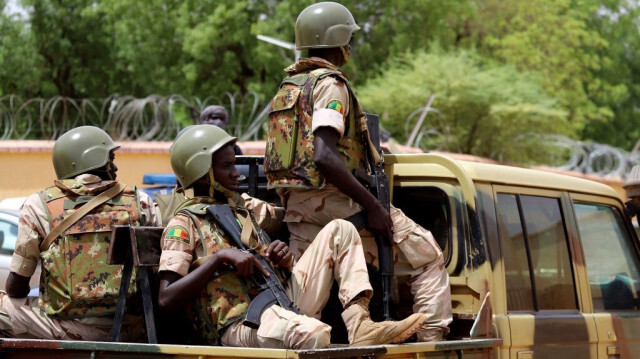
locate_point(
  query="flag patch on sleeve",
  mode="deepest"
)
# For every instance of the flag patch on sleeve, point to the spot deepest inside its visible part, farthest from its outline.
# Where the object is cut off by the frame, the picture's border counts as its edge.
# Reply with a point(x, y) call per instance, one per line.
point(336, 105)
point(177, 233)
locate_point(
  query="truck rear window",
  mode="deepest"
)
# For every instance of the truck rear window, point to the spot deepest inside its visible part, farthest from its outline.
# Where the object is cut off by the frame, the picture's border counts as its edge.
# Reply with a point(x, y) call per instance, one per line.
point(611, 257)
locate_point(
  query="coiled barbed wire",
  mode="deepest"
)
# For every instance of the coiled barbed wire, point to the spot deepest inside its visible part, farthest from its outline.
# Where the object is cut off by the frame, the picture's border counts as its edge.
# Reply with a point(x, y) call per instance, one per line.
point(551, 150)
point(160, 118)
point(125, 118)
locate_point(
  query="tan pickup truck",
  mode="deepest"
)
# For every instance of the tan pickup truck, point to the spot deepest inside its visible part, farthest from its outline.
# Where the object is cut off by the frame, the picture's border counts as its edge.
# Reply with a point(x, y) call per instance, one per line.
point(542, 266)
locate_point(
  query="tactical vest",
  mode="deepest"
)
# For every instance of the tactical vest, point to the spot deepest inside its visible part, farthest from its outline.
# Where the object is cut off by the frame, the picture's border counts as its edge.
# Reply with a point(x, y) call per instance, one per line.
point(76, 280)
point(289, 153)
point(224, 300)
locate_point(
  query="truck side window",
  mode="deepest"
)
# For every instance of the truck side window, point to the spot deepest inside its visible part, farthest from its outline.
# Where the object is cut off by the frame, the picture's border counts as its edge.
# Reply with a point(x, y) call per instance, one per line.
point(535, 251)
point(427, 206)
point(612, 261)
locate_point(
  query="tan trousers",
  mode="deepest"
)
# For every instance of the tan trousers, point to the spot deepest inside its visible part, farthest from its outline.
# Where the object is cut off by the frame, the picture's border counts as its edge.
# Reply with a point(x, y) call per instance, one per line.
point(23, 318)
point(416, 253)
point(336, 253)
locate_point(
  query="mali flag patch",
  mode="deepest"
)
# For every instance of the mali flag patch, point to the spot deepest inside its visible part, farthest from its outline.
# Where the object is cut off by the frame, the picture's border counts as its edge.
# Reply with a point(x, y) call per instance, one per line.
point(177, 233)
point(336, 105)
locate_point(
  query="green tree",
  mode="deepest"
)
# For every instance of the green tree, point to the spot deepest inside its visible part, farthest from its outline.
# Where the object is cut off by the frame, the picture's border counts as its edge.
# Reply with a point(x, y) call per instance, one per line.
point(20, 65)
point(218, 44)
point(71, 39)
point(555, 39)
point(483, 106)
point(391, 28)
point(618, 22)
point(147, 49)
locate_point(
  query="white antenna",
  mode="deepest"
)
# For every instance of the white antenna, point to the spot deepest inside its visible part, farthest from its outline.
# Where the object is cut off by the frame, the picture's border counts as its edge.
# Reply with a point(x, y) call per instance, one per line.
point(278, 42)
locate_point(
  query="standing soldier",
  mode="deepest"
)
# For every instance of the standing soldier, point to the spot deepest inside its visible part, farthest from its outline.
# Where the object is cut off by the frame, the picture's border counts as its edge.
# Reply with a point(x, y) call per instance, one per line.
point(195, 247)
point(632, 189)
point(314, 142)
point(68, 227)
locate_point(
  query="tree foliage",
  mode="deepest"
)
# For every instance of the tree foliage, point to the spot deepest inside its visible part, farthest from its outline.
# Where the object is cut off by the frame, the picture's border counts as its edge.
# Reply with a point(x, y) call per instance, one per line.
point(19, 68)
point(482, 106)
point(577, 56)
point(554, 39)
point(619, 24)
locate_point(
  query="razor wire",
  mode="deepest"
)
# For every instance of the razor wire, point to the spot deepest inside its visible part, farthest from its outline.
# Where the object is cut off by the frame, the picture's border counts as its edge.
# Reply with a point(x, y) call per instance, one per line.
point(558, 152)
point(160, 118)
point(126, 118)
point(586, 157)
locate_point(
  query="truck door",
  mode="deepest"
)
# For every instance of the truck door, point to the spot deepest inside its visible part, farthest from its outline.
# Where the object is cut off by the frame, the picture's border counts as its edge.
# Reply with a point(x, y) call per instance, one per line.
point(612, 264)
point(543, 307)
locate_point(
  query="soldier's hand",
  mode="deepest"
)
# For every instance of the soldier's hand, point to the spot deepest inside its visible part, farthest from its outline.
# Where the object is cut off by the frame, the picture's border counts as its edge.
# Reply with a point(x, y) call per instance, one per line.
point(379, 222)
point(279, 254)
point(243, 261)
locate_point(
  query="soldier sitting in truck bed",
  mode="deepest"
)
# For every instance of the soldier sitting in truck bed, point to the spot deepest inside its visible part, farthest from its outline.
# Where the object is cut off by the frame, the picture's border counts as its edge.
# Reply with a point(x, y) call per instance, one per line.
point(67, 227)
point(195, 247)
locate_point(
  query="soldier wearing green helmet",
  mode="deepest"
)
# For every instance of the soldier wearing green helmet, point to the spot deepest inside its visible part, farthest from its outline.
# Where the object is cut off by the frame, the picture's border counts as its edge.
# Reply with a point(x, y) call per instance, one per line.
point(66, 227)
point(317, 137)
point(194, 250)
point(81, 150)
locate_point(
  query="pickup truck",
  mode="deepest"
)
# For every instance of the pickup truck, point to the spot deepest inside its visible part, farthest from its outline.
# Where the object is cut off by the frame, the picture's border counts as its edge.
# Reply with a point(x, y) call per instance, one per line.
point(542, 265)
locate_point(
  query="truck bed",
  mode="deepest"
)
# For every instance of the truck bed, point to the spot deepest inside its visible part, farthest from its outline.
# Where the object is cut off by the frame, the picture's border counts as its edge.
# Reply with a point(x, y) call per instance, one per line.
point(32, 348)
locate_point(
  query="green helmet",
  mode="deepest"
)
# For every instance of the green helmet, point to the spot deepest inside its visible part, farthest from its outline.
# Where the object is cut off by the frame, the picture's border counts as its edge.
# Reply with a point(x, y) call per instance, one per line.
point(324, 25)
point(192, 150)
point(80, 150)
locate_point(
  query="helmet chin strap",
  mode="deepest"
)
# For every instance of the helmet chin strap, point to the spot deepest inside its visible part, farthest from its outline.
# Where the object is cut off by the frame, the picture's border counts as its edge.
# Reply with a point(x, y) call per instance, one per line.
point(215, 186)
point(345, 53)
point(104, 172)
point(109, 171)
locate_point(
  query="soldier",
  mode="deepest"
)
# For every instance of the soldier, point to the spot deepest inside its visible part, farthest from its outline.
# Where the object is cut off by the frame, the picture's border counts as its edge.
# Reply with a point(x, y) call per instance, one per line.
point(68, 226)
point(314, 141)
point(194, 248)
point(218, 116)
point(632, 188)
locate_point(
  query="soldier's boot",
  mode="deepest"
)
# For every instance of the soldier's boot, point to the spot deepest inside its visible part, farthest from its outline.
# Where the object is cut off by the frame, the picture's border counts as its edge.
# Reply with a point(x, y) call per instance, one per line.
point(430, 334)
point(364, 331)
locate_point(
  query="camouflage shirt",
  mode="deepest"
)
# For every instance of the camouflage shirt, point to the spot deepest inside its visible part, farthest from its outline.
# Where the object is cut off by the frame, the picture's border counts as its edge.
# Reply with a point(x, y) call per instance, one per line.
point(191, 235)
point(76, 282)
point(290, 148)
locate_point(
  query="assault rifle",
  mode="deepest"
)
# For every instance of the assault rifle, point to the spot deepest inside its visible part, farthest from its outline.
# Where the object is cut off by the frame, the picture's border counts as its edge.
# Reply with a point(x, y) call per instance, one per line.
point(272, 290)
point(378, 184)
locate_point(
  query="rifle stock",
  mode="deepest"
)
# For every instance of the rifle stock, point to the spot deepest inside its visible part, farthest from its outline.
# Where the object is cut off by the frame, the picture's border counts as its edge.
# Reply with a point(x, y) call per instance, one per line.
point(224, 217)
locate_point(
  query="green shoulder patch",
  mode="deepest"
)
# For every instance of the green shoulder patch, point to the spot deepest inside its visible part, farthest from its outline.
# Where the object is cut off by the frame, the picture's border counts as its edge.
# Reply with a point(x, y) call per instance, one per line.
point(177, 233)
point(336, 105)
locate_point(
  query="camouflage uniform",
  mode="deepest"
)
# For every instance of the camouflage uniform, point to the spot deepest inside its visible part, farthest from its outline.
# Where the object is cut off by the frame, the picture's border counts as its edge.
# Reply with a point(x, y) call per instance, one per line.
point(224, 301)
point(311, 202)
point(78, 290)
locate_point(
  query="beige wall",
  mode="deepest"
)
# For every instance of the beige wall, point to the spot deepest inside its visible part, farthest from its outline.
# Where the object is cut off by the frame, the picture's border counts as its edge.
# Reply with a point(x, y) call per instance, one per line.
point(26, 165)
point(27, 168)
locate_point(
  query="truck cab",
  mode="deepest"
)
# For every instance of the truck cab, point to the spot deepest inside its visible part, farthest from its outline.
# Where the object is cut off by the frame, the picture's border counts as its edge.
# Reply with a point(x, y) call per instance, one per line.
point(548, 263)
